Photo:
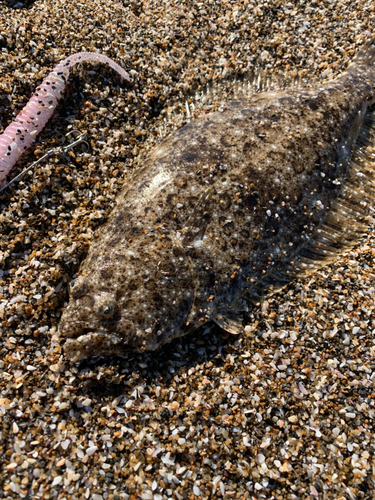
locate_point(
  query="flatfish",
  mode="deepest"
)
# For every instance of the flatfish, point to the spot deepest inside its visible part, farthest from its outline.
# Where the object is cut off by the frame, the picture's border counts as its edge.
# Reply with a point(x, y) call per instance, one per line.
point(229, 208)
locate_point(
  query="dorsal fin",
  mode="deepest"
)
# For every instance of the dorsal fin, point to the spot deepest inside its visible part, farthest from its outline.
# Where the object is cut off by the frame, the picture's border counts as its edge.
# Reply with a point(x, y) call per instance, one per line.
point(216, 93)
point(209, 96)
point(213, 95)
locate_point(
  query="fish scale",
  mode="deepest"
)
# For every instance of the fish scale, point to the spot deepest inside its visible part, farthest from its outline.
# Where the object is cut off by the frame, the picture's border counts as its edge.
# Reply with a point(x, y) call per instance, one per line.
point(229, 208)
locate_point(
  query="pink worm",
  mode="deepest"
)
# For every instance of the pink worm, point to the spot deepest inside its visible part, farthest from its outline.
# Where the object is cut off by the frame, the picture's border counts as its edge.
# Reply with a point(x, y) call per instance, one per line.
point(21, 133)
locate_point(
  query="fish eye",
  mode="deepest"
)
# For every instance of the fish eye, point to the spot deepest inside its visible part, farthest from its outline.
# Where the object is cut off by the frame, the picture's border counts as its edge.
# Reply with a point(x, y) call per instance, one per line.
point(106, 307)
point(78, 286)
point(108, 311)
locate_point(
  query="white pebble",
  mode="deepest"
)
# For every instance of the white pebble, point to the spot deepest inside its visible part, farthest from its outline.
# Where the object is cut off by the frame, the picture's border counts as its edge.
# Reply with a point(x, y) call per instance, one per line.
point(91, 450)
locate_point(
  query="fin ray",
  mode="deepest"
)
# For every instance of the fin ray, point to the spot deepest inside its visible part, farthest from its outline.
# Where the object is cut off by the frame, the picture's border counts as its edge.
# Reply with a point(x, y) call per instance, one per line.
point(231, 321)
point(198, 221)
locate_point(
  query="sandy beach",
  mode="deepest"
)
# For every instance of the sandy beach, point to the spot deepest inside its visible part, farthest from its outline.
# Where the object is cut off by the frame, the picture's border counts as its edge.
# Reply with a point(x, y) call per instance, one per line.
point(285, 411)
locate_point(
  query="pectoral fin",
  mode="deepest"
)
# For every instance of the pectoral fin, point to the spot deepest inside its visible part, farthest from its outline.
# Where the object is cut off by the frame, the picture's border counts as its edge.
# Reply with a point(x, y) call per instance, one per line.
point(230, 320)
point(198, 221)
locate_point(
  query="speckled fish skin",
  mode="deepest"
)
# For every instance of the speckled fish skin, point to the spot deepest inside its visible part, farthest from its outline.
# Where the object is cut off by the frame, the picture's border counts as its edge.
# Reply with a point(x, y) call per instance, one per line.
point(226, 200)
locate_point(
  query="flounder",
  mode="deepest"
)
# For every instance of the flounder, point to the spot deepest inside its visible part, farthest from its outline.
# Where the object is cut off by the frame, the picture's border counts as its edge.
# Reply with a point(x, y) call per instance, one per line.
point(229, 208)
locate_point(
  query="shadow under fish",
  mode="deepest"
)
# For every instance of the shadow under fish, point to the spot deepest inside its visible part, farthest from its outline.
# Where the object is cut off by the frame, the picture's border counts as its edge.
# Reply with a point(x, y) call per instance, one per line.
point(231, 207)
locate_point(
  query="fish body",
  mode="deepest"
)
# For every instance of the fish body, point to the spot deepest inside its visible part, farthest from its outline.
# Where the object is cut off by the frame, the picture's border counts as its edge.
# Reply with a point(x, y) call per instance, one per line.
point(229, 208)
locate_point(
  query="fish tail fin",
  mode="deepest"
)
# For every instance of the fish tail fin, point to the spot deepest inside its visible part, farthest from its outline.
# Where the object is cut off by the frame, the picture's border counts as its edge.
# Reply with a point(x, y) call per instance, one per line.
point(361, 72)
point(366, 54)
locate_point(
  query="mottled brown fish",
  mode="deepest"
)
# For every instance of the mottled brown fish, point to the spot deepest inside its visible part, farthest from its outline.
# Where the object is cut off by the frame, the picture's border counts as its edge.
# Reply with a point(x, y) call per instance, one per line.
point(227, 209)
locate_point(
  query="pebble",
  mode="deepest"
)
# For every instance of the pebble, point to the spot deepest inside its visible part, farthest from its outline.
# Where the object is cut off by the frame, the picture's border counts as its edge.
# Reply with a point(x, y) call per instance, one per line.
point(284, 412)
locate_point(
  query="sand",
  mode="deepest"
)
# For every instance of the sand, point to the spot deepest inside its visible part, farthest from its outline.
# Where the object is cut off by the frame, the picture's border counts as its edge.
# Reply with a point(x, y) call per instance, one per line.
point(285, 411)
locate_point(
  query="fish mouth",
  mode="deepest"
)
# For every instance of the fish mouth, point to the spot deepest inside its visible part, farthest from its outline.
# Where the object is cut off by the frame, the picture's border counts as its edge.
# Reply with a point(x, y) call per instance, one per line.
point(93, 344)
point(84, 342)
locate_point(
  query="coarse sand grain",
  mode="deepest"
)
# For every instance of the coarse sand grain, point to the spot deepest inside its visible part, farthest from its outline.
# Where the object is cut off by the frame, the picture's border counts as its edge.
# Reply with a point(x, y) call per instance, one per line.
point(284, 412)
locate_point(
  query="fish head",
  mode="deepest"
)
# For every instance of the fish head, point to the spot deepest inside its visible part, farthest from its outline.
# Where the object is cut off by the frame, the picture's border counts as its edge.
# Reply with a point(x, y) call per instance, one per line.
point(140, 311)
